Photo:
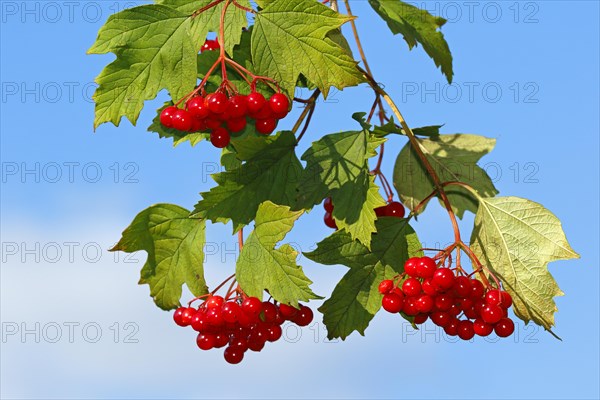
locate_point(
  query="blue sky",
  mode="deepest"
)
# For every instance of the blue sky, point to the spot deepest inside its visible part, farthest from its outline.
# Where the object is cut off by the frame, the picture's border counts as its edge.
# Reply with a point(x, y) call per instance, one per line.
point(76, 325)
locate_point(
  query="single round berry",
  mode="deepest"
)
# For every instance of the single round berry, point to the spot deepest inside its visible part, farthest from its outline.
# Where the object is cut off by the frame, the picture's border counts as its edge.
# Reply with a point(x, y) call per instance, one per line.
point(287, 312)
point(424, 304)
point(410, 266)
point(231, 310)
point(441, 318)
point(182, 120)
point(237, 106)
point(234, 354)
point(214, 317)
point(220, 138)
point(166, 116)
point(205, 341)
point(451, 327)
point(386, 286)
point(240, 341)
point(492, 314)
point(505, 327)
point(443, 279)
point(252, 306)
point(392, 303)
point(215, 302)
point(411, 287)
point(199, 322)
point(428, 288)
point(221, 340)
point(444, 302)
point(198, 125)
point(420, 319)
point(395, 209)
point(304, 316)
point(210, 44)
point(482, 328)
point(381, 211)
point(425, 267)
point(275, 333)
point(328, 205)
point(279, 103)
point(493, 297)
point(266, 126)
point(506, 299)
point(329, 221)
point(216, 102)
point(477, 289)
point(269, 312)
point(255, 101)
point(236, 125)
point(410, 306)
point(213, 123)
point(178, 316)
point(196, 106)
point(465, 330)
point(462, 287)
point(264, 113)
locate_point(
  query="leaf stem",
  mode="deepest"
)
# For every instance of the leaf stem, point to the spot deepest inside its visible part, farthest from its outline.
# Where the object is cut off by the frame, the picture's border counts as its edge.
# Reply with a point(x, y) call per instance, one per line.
point(310, 105)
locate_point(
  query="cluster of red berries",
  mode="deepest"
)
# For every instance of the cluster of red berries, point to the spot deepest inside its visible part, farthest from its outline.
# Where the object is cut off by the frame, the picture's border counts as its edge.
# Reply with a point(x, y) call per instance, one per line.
point(436, 293)
point(223, 115)
point(241, 325)
point(392, 209)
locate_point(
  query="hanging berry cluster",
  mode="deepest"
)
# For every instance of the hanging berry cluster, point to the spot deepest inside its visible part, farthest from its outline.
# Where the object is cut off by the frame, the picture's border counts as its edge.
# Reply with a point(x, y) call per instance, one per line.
point(462, 306)
point(226, 112)
point(239, 324)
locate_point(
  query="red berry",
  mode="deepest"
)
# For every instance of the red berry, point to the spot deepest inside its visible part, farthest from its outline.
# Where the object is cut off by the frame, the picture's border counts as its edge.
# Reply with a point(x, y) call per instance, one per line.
point(410, 306)
point(220, 138)
point(214, 317)
point(424, 304)
point(237, 106)
point(236, 124)
point(234, 354)
point(328, 205)
point(210, 44)
point(493, 297)
point(166, 116)
point(329, 221)
point(381, 211)
point(505, 327)
point(441, 318)
point(506, 299)
point(215, 302)
point(231, 310)
point(465, 330)
point(178, 316)
point(482, 328)
point(444, 302)
point(392, 303)
point(287, 312)
point(395, 209)
point(304, 316)
point(199, 322)
point(240, 341)
point(443, 279)
point(198, 125)
point(221, 340)
point(212, 123)
point(182, 120)
point(274, 333)
point(425, 267)
point(269, 312)
point(410, 266)
point(266, 126)
point(411, 287)
point(420, 319)
point(196, 106)
point(451, 327)
point(216, 102)
point(472, 313)
point(386, 286)
point(252, 306)
point(205, 341)
point(492, 314)
point(462, 286)
point(256, 101)
point(428, 288)
point(454, 310)
point(279, 103)
point(477, 289)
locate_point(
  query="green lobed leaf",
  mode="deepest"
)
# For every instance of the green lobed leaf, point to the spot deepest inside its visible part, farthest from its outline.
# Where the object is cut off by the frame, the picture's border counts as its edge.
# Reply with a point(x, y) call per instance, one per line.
point(517, 238)
point(354, 301)
point(454, 158)
point(262, 267)
point(393, 244)
point(174, 243)
point(155, 50)
point(290, 38)
point(271, 174)
point(417, 26)
point(337, 166)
